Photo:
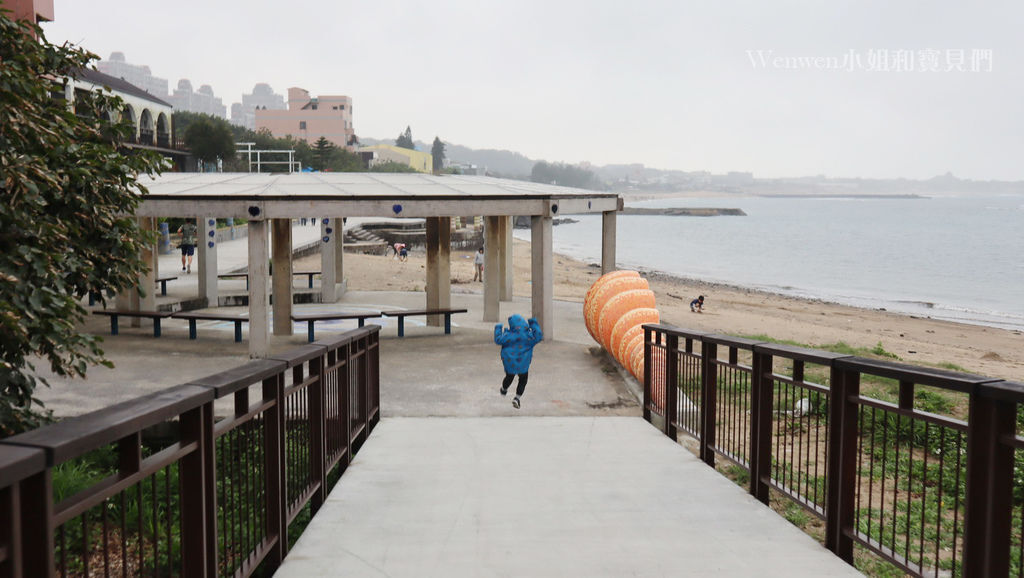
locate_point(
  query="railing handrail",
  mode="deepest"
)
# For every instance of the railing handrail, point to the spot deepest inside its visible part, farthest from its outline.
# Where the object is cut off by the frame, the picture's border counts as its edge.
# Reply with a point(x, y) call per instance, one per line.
point(29, 515)
point(759, 407)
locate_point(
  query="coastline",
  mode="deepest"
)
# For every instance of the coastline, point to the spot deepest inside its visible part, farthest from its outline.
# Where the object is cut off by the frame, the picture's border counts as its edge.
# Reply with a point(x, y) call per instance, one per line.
point(734, 310)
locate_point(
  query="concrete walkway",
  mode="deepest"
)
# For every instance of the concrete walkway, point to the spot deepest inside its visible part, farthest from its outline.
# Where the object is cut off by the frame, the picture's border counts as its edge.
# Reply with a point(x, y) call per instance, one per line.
point(536, 496)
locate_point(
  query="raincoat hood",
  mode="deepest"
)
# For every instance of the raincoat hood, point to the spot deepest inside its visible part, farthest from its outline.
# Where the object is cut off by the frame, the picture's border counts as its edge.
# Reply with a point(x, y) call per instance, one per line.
point(516, 322)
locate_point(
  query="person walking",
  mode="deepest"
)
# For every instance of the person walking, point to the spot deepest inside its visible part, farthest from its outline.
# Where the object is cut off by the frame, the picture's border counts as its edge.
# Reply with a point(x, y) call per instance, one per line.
point(517, 351)
point(188, 231)
point(478, 265)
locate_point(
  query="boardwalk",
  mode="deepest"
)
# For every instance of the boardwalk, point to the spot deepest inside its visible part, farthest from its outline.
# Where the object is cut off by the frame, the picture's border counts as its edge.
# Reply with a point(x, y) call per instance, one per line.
point(454, 482)
point(543, 496)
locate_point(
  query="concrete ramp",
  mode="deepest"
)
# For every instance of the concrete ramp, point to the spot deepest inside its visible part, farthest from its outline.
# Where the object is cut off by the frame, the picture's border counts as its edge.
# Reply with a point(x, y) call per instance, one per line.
point(543, 496)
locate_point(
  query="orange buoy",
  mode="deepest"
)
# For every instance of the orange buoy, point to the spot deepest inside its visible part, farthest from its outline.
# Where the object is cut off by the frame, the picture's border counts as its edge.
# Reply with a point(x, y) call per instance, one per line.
point(619, 305)
point(628, 343)
point(630, 321)
point(605, 288)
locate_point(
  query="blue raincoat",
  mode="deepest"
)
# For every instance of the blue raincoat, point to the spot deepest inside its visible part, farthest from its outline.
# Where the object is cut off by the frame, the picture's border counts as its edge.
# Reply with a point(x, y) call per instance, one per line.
point(517, 343)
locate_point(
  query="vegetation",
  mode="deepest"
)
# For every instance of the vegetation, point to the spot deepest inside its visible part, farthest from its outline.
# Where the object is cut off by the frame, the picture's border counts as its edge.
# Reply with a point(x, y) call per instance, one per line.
point(392, 167)
point(565, 175)
point(208, 137)
point(404, 140)
point(323, 150)
point(65, 230)
point(437, 151)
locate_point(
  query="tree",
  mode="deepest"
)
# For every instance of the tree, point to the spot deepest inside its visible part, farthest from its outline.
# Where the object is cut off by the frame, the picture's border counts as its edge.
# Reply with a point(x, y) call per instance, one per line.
point(66, 226)
point(565, 175)
point(404, 140)
point(210, 138)
point(437, 151)
point(323, 151)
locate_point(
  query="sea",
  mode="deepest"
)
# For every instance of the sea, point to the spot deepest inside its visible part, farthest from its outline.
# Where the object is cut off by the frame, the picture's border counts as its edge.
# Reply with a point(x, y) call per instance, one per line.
point(952, 257)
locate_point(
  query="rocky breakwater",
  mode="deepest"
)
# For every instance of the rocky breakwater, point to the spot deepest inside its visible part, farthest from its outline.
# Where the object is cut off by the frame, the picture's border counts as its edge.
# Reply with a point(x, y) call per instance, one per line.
point(681, 212)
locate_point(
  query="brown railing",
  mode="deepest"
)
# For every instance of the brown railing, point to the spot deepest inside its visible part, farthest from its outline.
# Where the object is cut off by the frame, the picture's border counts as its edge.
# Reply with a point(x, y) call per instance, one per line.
point(901, 477)
point(163, 486)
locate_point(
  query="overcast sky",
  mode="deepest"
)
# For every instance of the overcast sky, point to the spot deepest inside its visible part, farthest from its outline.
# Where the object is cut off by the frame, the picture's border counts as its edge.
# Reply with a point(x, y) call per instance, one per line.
point(866, 88)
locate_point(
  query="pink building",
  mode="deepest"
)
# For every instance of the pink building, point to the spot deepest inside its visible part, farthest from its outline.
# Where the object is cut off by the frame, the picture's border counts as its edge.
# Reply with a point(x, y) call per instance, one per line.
point(309, 118)
point(33, 10)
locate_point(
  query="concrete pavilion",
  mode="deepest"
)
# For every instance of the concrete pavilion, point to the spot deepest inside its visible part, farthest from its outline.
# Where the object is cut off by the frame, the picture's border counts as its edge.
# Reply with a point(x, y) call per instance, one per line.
point(270, 201)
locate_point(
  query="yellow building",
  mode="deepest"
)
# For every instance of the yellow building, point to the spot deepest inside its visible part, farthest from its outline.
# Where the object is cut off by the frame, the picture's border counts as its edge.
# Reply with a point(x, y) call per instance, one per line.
point(421, 161)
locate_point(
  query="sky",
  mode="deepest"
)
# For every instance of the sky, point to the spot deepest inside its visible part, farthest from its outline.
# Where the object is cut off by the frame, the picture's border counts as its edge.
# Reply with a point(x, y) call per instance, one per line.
point(780, 88)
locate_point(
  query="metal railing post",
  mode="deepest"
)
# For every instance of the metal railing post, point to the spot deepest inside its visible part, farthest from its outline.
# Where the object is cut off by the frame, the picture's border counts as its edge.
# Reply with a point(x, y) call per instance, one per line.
point(761, 421)
point(709, 399)
point(198, 550)
point(987, 511)
point(648, 334)
point(842, 463)
point(671, 384)
point(36, 497)
point(317, 452)
point(274, 469)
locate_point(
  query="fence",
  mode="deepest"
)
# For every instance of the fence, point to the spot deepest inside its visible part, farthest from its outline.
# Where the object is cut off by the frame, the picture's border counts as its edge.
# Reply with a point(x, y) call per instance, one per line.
point(902, 477)
point(158, 486)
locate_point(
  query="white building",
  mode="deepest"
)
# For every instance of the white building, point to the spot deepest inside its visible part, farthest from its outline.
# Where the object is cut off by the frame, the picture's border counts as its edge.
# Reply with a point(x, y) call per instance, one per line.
point(137, 75)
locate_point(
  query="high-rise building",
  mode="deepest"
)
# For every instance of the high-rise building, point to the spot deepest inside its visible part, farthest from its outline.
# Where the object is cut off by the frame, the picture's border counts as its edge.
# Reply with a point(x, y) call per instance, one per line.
point(262, 97)
point(136, 74)
point(202, 100)
point(309, 118)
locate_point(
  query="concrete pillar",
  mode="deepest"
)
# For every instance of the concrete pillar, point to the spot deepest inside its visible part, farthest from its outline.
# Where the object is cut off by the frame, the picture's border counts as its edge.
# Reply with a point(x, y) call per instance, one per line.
point(328, 268)
point(506, 272)
point(439, 267)
point(338, 224)
point(491, 269)
point(608, 242)
point(542, 278)
point(147, 297)
point(259, 316)
point(208, 260)
point(282, 277)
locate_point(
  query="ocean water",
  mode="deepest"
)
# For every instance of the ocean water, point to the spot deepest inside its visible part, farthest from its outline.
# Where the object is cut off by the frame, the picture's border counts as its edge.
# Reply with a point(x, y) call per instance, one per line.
point(958, 258)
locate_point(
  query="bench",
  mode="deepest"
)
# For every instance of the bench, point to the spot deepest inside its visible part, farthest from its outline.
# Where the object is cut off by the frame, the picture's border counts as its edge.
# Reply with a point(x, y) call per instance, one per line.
point(309, 274)
point(311, 318)
point(94, 296)
point(236, 276)
point(193, 316)
point(163, 284)
point(401, 315)
point(156, 316)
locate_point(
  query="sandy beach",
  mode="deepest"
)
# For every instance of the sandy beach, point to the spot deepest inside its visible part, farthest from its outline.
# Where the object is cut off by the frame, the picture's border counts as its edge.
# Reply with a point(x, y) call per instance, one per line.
point(992, 352)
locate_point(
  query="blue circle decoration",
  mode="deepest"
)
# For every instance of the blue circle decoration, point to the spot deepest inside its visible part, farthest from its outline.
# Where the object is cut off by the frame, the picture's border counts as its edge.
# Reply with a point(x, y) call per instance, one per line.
point(396, 208)
point(213, 222)
point(329, 230)
point(210, 244)
point(212, 233)
point(327, 239)
point(327, 221)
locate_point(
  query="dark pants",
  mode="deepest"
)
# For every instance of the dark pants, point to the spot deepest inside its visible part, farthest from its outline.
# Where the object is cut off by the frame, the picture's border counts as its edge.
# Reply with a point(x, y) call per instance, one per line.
point(522, 382)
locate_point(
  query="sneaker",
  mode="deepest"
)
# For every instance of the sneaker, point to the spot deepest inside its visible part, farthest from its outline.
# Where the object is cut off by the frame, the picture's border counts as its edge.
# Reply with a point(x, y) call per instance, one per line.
point(503, 391)
point(515, 403)
point(183, 269)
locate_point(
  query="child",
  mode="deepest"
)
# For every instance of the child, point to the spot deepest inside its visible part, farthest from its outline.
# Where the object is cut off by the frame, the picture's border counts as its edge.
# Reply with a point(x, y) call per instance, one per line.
point(697, 305)
point(478, 265)
point(517, 351)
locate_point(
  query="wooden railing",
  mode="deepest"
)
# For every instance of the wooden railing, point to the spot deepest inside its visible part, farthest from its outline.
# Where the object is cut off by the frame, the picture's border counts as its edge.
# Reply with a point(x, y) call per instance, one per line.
point(208, 478)
point(919, 466)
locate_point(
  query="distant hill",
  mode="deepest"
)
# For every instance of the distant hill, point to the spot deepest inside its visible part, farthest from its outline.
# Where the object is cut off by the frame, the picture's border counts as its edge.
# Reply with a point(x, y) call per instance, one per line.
point(502, 163)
